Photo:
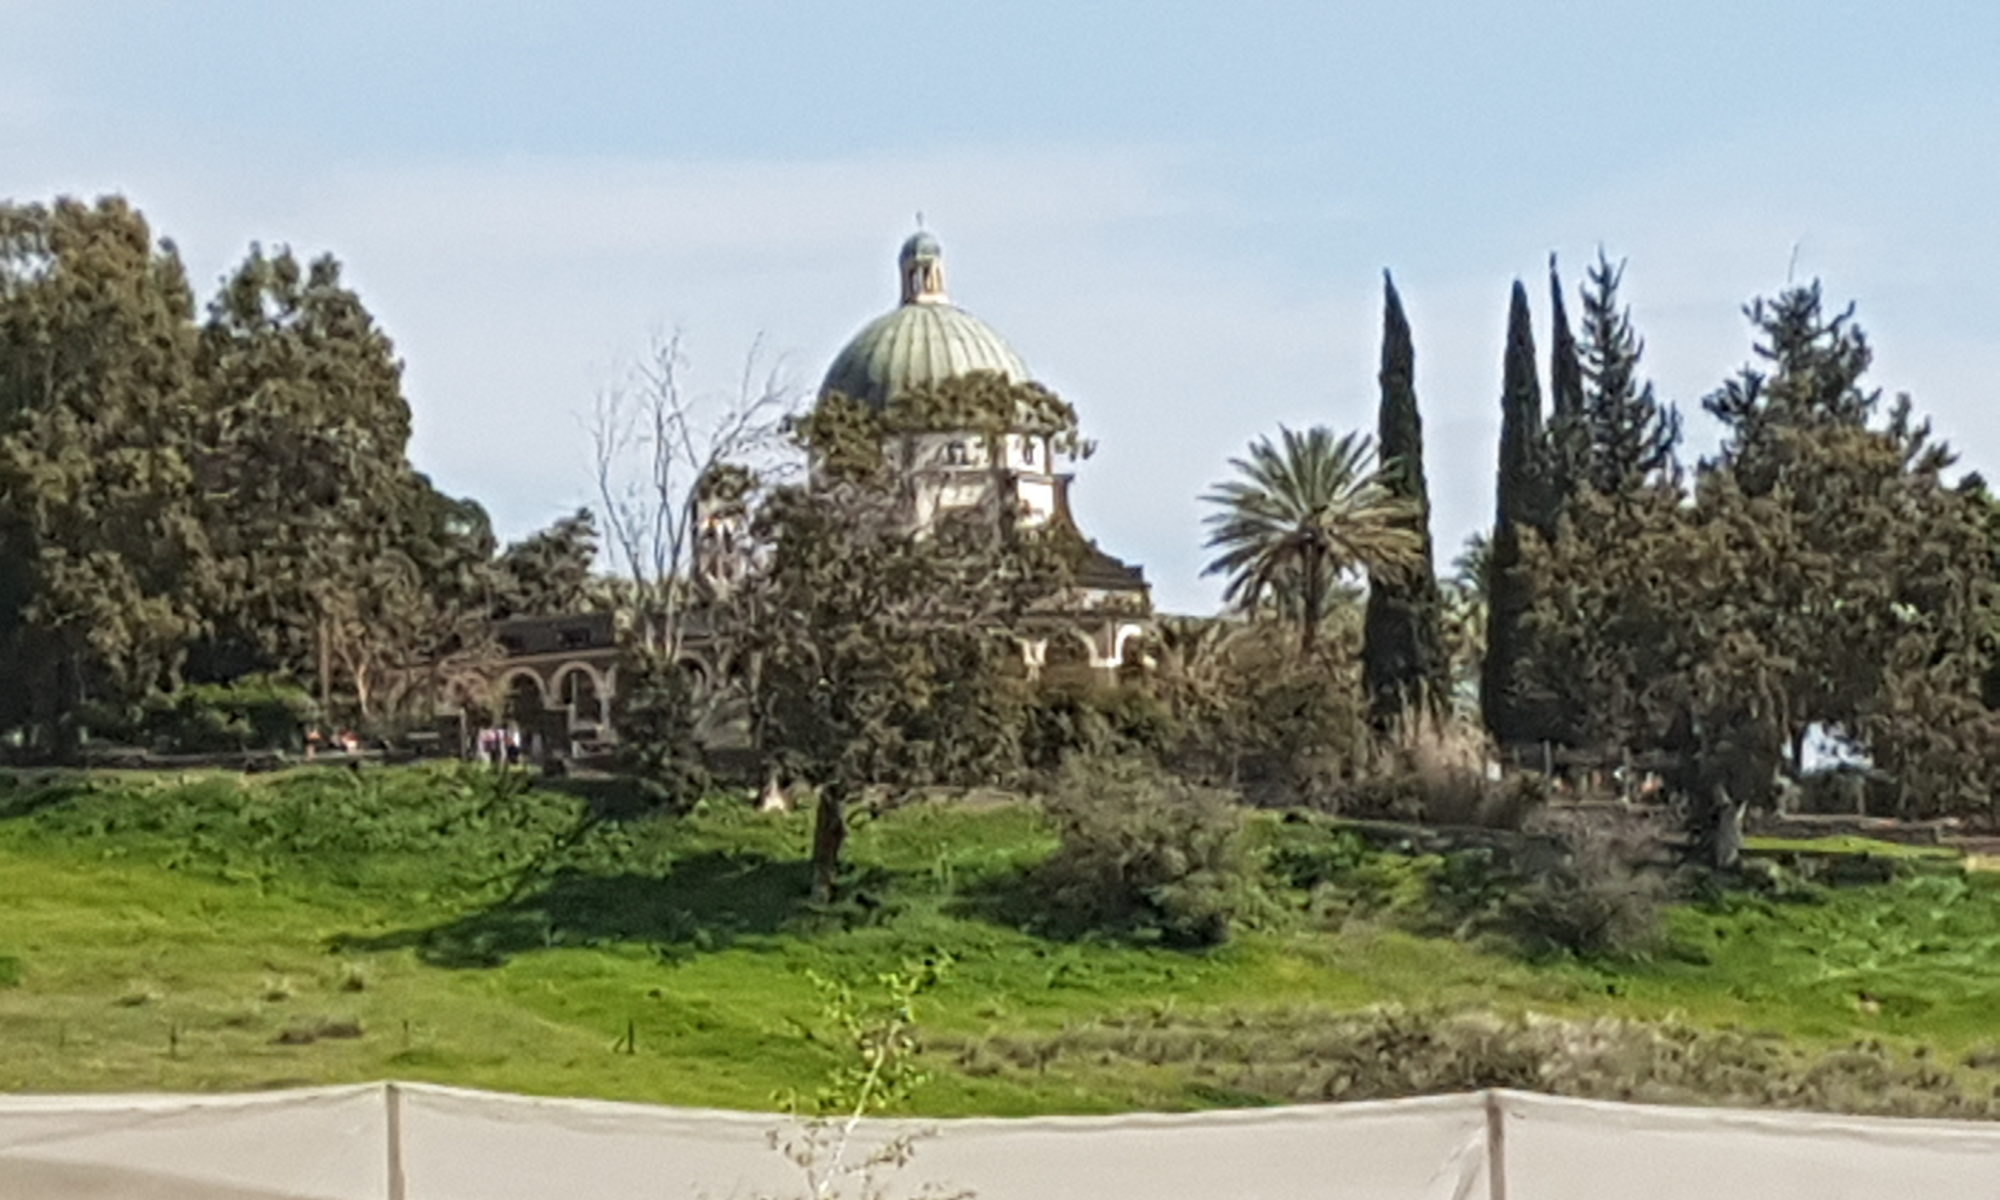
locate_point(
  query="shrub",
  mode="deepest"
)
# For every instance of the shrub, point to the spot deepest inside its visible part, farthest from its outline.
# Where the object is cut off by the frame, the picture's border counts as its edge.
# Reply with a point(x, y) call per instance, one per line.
point(1144, 854)
point(659, 717)
point(1604, 897)
point(1305, 1055)
point(1436, 772)
point(1066, 720)
point(1310, 853)
point(256, 712)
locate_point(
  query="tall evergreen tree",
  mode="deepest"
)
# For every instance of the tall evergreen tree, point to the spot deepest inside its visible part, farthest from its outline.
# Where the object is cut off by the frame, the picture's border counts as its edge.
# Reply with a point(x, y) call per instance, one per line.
point(1520, 508)
point(1565, 365)
point(1569, 429)
point(1810, 376)
point(1633, 437)
point(1403, 656)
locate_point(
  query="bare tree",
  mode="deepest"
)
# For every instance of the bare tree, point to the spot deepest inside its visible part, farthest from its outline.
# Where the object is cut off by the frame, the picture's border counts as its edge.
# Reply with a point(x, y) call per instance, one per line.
point(659, 448)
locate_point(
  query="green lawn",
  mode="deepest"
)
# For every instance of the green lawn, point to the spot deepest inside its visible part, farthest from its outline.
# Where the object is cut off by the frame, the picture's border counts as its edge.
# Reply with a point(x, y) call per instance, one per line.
point(206, 932)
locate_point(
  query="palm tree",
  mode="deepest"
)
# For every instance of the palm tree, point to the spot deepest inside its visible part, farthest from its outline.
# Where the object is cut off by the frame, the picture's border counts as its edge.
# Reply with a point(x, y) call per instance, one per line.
point(1301, 514)
point(1464, 595)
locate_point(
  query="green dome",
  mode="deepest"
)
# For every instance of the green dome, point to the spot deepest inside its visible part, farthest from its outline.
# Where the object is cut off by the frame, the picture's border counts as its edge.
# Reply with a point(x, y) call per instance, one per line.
point(927, 340)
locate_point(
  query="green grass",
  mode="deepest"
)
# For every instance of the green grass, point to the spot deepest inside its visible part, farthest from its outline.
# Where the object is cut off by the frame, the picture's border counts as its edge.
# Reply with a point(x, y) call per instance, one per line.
point(209, 932)
point(1846, 844)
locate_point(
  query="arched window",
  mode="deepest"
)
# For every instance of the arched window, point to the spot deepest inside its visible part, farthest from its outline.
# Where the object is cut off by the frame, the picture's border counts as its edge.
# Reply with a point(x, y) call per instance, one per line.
point(954, 454)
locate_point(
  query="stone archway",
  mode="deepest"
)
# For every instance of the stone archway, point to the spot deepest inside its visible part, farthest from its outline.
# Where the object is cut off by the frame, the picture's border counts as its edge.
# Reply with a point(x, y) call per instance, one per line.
point(1068, 656)
point(579, 690)
point(523, 698)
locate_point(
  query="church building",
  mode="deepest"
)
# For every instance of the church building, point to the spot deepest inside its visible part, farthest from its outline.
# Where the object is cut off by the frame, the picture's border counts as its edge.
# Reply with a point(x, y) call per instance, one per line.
point(1021, 473)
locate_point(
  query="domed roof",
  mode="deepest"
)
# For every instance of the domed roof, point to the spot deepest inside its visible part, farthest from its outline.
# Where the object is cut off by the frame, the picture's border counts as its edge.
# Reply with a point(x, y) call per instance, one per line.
point(927, 339)
point(918, 344)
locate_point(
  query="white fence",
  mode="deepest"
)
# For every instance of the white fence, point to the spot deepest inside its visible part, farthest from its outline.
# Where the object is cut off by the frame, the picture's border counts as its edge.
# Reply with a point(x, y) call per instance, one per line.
point(400, 1141)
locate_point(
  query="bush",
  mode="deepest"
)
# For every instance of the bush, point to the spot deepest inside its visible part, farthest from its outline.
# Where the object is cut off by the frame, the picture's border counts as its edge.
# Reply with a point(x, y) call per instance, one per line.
point(1144, 854)
point(659, 716)
point(1604, 898)
point(1437, 773)
point(1067, 720)
point(256, 712)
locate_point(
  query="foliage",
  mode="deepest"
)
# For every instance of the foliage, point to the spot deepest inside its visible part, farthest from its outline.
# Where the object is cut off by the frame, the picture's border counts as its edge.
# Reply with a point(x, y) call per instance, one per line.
point(881, 1072)
point(1303, 512)
point(881, 1069)
point(1143, 854)
point(1390, 1051)
point(1605, 897)
point(204, 501)
point(661, 450)
point(660, 718)
point(1435, 771)
point(103, 550)
point(1522, 506)
point(847, 438)
point(1463, 598)
point(547, 573)
point(256, 712)
point(1632, 436)
point(884, 657)
point(300, 451)
point(1092, 720)
point(1240, 707)
point(508, 939)
point(1403, 651)
point(1824, 573)
point(324, 824)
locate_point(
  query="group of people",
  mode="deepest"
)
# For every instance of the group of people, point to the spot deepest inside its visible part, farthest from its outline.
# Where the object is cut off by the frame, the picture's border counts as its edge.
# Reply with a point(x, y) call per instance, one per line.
point(497, 746)
point(346, 742)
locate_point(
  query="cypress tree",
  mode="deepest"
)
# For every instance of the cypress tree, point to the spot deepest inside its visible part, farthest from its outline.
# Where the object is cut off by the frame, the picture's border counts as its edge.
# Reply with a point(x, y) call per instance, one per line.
point(1569, 426)
point(1403, 657)
point(1520, 504)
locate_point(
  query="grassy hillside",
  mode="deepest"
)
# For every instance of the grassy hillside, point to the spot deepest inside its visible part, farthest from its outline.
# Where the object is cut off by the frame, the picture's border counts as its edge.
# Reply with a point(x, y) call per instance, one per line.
point(211, 932)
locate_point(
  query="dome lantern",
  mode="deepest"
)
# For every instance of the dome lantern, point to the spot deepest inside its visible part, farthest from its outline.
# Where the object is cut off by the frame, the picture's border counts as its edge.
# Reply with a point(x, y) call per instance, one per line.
point(924, 340)
point(922, 268)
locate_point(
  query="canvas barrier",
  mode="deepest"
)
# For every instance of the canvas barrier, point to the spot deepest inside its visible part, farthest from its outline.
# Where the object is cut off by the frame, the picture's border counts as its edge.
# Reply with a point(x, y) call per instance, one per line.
point(417, 1142)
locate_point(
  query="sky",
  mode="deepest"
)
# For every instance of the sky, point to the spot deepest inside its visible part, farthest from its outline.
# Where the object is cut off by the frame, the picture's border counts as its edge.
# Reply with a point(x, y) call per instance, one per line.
point(1177, 213)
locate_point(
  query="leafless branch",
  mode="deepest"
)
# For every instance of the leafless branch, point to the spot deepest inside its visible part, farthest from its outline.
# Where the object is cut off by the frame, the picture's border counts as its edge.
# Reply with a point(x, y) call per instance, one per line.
point(654, 441)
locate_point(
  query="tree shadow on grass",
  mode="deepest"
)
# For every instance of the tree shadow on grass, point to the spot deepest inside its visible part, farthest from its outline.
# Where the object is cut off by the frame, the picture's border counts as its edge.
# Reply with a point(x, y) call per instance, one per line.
point(25, 793)
point(705, 902)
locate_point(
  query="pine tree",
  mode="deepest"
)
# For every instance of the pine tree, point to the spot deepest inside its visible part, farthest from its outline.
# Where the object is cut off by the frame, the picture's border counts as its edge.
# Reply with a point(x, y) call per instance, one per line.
point(1633, 437)
point(1815, 364)
point(1403, 652)
point(1520, 506)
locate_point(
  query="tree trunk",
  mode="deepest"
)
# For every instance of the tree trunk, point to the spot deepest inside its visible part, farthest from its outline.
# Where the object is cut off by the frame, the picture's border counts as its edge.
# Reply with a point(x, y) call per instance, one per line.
point(829, 836)
point(1311, 601)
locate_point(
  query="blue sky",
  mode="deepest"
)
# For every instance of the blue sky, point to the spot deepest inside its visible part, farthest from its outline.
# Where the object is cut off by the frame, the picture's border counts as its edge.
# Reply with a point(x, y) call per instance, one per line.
point(1178, 213)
